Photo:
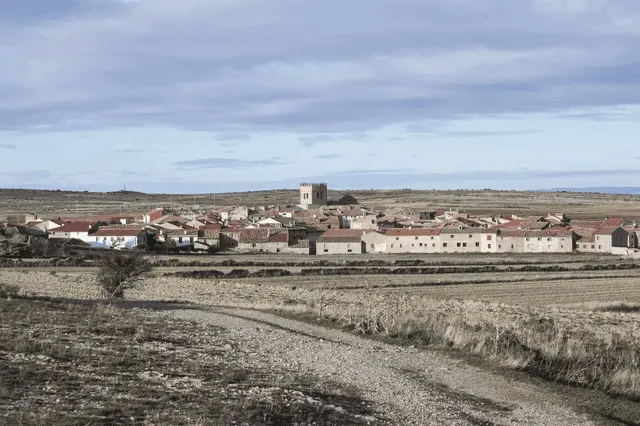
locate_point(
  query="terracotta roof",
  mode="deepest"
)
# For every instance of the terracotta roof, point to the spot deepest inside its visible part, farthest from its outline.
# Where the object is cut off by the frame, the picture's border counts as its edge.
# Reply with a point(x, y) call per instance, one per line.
point(415, 232)
point(535, 225)
point(255, 235)
point(588, 239)
point(469, 231)
point(513, 233)
point(585, 224)
point(341, 236)
point(607, 231)
point(611, 222)
point(515, 223)
point(33, 223)
point(279, 237)
point(72, 227)
point(209, 234)
point(554, 232)
point(124, 232)
point(582, 231)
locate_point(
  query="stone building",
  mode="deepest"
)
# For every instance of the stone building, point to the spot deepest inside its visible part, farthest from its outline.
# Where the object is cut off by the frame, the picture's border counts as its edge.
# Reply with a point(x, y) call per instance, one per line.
point(313, 195)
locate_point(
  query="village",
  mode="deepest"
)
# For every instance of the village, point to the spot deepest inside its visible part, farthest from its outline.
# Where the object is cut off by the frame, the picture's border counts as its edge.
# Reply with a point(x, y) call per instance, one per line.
point(319, 226)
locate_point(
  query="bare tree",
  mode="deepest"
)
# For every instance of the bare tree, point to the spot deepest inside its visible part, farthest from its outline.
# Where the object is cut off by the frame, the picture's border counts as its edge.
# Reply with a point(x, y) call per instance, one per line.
point(121, 271)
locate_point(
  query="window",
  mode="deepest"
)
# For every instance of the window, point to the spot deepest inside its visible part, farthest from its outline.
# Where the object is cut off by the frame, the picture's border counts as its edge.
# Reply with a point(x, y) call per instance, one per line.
point(600, 247)
point(488, 237)
point(489, 246)
point(416, 238)
point(458, 244)
point(548, 239)
point(464, 244)
point(528, 239)
point(180, 240)
point(512, 246)
point(400, 245)
point(444, 244)
point(477, 244)
point(499, 246)
point(470, 236)
point(584, 246)
point(253, 245)
point(549, 247)
point(326, 250)
point(432, 238)
point(539, 239)
point(349, 251)
point(373, 221)
point(397, 238)
point(420, 244)
point(413, 245)
point(373, 246)
point(593, 246)
point(434, 244)
point(452, 236)
point(391, 245)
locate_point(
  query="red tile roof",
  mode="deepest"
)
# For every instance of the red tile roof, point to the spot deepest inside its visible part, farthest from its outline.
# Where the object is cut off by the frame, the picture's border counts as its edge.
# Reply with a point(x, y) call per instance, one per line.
point(607, 231)
point(114, 232)
point(611, 222)
point(406, 232)
point(255, 235)
point(72, 227)
point(341, 236)
point(279, 237)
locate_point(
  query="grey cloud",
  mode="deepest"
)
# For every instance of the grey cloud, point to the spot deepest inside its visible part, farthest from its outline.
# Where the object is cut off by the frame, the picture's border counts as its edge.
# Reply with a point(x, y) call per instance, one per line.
point(329, 156)
point(161, 62)
point(315, 139)
point(7, 146)
point(229, 163)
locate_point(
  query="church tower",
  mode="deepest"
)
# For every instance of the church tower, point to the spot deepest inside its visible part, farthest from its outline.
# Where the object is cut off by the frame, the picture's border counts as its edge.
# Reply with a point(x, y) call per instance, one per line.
point(313, 195)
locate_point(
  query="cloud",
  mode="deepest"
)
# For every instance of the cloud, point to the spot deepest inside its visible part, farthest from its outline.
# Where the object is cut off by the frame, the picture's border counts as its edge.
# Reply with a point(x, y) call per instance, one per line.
point(150, 62)
point(329, 156)
point(229, 163)
point(7, 146)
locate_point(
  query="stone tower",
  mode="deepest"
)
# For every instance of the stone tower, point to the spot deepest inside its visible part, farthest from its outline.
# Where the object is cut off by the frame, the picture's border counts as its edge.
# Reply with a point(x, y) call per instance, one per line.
point(313, 195)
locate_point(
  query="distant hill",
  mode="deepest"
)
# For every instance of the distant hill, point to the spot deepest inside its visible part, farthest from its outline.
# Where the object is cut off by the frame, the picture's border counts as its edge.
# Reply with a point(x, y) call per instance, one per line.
point(631, 190)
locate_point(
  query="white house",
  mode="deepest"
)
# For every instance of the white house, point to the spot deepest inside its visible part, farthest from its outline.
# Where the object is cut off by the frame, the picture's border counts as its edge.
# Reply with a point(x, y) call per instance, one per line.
point(340, 241)
point(118, 238)
point(77, 230)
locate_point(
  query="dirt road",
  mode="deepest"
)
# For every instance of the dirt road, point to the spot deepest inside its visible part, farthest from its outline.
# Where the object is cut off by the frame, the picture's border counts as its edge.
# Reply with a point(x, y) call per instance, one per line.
point(406, 385)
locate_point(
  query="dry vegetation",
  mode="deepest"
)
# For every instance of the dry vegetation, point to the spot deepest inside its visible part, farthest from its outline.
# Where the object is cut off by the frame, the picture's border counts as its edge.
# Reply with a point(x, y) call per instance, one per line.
point(577, 205)
point(63, 363)
point(594, 346)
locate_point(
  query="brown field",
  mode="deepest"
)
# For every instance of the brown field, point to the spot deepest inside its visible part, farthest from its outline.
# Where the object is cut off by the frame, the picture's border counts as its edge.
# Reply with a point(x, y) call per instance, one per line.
point(576, 205)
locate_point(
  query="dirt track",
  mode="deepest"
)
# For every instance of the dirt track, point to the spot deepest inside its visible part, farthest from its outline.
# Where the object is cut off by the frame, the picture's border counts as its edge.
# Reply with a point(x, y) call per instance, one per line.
point(408, 385)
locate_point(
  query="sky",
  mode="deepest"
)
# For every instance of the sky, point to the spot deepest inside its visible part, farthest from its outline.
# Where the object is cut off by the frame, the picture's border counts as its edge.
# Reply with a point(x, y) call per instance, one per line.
point(200, 96)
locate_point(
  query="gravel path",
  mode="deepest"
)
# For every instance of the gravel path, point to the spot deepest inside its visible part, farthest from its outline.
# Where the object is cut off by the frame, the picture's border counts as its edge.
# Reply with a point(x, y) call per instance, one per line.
point(408, 386)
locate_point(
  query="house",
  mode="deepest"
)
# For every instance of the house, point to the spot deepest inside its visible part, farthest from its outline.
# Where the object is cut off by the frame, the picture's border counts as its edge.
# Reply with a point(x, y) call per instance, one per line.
point(152, 216)
point(349, 214)
point(180, 237)
point(374, 242)
point(634, 235)
point(118, 238)
point(468, 240)
point(239, 213)
point(340, 241)
point(20, 218)
point(72, 230)
point(604, 240)
point(44, 225)
point(414, 240)
point(369, 221)
point(270, 223)
point(553, 240)
point(208, 240)
point(264, 240)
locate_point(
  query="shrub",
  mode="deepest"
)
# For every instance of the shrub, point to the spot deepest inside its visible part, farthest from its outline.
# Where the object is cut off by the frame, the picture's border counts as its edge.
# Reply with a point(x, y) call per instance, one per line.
point(121, 271)
point(8, 291)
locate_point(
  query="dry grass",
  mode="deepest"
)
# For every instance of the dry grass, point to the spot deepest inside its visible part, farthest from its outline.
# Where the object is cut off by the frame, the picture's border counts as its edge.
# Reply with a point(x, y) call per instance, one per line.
point(597, 348)
point(82, 364)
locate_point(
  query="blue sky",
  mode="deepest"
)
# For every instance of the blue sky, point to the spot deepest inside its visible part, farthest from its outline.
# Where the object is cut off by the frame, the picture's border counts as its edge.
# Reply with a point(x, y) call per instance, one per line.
point(223, 95)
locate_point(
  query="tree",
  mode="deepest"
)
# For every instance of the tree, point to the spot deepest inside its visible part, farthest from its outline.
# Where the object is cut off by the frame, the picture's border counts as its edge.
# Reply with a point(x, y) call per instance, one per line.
point(121, 271)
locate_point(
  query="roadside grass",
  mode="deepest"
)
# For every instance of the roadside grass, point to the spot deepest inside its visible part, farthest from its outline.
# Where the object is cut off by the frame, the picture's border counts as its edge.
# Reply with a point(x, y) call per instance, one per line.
point(64, 363)
point(542, 342)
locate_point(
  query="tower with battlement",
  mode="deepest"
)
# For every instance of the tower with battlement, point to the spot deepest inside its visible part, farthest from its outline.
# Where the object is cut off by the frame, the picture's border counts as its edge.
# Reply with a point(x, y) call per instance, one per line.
point(313, 195)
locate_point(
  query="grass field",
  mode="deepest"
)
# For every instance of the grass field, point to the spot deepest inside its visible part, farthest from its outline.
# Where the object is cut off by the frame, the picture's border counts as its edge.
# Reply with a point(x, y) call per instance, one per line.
point(574, 326)
point(576, 205)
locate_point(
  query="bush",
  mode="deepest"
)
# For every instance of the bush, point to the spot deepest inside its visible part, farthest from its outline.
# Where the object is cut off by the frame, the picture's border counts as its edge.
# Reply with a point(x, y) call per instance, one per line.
point(8, 291)
point(121, 271)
